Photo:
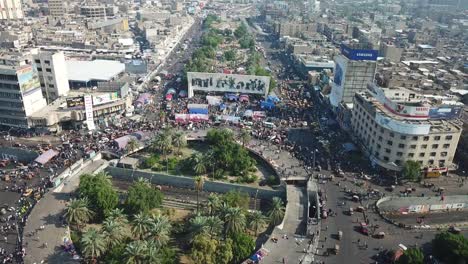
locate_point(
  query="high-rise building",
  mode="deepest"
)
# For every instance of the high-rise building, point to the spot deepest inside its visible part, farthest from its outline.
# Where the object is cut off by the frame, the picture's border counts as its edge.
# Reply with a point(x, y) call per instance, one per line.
point(20, 94)
point(354, 69)
point(11, 9)
point(56, 8)
point(52, 71)
point(396, 125)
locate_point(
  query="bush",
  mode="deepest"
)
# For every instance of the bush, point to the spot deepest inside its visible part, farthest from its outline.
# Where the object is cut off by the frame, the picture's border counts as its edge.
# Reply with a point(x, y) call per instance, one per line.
point(171, 163)
point(272, 180)
point(151, 161)
point(142, 197)
point(247, 179)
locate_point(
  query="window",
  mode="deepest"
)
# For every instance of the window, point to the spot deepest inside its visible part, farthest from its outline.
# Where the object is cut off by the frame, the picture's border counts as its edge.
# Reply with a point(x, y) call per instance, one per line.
point(433, 154)
point(437, 138)
point(387, 151)
point(390, 143)
point(441, 163)
point(424, 146)
point(37, 61)
point(426, 138)
point(397, 162)
point(392, 134)
point(422, 154)
point(446, 146)
point(401, 145)
point(448, 137)
point(378, 146)
point(39, 69)
point(402, 137)
point(415, 137)
point(376, 154)
point(51, 86)
point(430, 162)
point(434, 146)
point(47, 62)
point(399, 154)
point(380, 138)
point(382, 130)
point(386, 158)
point(443, 154)
point(48, 70)
point(410, 155)
point(413, 146)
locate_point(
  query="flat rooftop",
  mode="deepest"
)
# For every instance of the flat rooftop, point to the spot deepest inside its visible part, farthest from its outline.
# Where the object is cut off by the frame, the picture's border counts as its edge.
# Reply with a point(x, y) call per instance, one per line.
point(96, 70)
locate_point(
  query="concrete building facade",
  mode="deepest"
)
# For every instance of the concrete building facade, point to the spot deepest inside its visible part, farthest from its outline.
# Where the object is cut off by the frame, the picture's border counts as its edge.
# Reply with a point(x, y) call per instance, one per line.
point(393, 126)
point(354, 69)
point(20, 92)
point(52, 71)
point(56, 8)
point(11, 9)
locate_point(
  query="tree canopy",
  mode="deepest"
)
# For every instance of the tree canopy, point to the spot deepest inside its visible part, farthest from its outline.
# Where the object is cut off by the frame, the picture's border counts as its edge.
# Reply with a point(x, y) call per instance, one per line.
point(451, 248)
point(412, 170)
point(98, 189)
point(412, 256)
point(243, 245)
point(142, 197)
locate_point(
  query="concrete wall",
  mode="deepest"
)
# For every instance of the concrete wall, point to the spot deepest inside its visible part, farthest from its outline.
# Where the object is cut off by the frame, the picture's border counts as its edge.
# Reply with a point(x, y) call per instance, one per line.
point(188, 182)
point(18, 154)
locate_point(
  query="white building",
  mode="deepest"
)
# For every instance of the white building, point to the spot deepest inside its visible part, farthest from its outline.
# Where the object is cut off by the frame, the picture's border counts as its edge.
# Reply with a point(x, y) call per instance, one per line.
point(11, 9)
point(52, 71)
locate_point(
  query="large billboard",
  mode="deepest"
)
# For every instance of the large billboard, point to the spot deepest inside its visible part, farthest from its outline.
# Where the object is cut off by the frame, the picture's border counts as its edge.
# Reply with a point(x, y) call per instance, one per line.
point(105, 98)
point(234, 83)
point(359, 54)
point(445, 112)
point(75, 102)
point(336, 95)
point(28, 78)
point(402, 127)
point(88, 101)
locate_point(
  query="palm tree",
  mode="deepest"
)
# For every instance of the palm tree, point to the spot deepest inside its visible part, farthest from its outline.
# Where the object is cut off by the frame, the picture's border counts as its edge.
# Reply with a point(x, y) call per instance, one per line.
point(104, 177)
point(78, 212)
point(135, 252)
point(113, 232)
point(179, 140)
point(244, 137)
point(160, 230)
point(210, 159)
point(215, 225)
point(163, 143)
point(93, 244)
point(152, 252)
point(118, 216)
point(132, 145)
point(198, 182)
point(198, 225)
point(199, 164)
point(213, 203)
point(256, 220)
point(141, 224)
point(276, 212)
point(235, 221)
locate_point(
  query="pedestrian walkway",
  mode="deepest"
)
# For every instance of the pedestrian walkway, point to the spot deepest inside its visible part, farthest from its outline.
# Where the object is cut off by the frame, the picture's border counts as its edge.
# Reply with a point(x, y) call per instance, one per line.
point(44, 231)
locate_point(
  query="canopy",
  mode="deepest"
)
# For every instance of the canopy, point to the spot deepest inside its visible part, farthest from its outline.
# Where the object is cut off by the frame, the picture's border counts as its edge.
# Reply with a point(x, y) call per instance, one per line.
point(214, 100)
point(222, 107)
point(243, 98)
point(231, 97)
point(183, 93)
point(248, 113)
point(191, 117)
point(267, 105)
point(273, 98)
point(171, 91)
point(46, 156)
point(169, 97)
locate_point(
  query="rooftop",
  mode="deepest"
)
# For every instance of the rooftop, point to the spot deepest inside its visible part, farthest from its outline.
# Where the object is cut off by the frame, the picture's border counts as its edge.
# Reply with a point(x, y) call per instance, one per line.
point(100, 70)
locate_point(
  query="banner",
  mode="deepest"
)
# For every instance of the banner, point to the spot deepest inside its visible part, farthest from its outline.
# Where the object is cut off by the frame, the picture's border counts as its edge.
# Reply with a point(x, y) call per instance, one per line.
point(359, 54)
point(75, 102)
point(402, 127)
point(88, 102)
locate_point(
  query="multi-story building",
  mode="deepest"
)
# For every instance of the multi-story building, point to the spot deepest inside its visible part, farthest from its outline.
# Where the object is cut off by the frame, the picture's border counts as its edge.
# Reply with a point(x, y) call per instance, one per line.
point(56, 8)
point(98, 11)
point(354, 69)
point(20, 91)
point(52, 71)
point(11, 9)
point(396, 125)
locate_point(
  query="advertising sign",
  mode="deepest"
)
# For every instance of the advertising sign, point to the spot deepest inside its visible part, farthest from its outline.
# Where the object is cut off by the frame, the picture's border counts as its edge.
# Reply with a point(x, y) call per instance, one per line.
point(88, 102)
point(359, 54)
point(412, 111)
point(105, 98)
point(75, 102)
point(28, 78)
point(447, 112)
point(338, 75)
point(402, 127)
point(234, 83)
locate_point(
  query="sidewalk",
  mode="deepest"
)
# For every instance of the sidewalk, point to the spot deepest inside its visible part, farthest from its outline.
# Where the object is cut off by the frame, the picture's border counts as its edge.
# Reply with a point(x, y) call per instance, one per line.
point(47, 212)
